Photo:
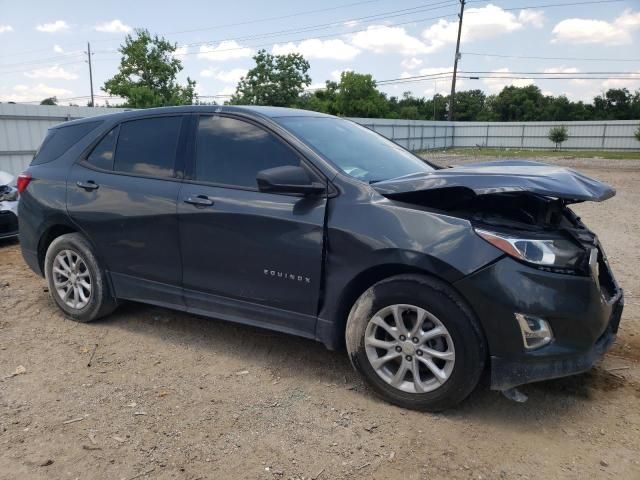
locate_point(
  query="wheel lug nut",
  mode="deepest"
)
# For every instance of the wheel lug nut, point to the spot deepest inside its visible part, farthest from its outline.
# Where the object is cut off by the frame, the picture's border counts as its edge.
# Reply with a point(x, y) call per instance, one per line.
point(398, 349)
point(414, 339)
point(408, 357)
point(403, 338)
point(419, 352)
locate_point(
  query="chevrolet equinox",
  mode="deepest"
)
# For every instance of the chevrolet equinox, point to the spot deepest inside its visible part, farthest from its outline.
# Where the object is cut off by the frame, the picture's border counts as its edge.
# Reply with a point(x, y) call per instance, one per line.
point(315, 226)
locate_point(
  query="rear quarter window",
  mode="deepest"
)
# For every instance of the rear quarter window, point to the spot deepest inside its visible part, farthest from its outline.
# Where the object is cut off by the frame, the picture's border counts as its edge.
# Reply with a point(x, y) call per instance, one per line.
point(61, 139)
point(102, 154)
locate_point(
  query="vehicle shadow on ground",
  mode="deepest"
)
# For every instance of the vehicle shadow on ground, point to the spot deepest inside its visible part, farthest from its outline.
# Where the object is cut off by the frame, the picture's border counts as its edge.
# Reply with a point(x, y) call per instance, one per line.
point(8, 242)
point(310, 362)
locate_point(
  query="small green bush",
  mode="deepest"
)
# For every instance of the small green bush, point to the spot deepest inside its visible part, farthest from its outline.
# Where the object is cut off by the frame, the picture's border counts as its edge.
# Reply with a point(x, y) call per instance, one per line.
point(558, 135)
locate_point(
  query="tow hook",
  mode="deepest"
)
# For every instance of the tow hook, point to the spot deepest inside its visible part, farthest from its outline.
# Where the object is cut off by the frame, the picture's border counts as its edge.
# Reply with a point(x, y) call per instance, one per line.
point(515, 395)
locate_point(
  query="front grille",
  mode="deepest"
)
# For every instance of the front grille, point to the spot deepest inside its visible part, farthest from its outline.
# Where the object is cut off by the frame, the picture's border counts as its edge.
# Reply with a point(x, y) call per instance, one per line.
point(605, 278)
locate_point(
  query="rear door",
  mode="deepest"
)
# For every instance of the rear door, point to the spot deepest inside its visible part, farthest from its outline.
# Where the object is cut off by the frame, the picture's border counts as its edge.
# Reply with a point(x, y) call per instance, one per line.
point(123, 196)
point(251, 255)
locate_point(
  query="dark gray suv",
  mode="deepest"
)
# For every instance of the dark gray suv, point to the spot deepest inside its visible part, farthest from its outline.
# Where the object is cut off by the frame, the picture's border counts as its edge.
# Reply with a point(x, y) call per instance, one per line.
point(315, 226)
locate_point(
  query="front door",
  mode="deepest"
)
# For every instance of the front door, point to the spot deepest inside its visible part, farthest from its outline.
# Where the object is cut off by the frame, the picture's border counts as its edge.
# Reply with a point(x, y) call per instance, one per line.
point(248, 255)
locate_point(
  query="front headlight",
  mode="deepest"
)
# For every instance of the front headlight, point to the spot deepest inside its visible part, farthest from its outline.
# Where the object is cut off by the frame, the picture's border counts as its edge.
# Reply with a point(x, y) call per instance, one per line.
point(556, 253)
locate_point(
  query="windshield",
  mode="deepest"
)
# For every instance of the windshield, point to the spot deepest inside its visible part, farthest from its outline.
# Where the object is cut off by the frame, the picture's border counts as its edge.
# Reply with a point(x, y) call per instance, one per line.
point(356, 150)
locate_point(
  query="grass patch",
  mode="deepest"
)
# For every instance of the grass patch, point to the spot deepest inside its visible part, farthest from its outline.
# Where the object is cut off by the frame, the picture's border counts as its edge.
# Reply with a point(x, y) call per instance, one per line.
point(515, 153)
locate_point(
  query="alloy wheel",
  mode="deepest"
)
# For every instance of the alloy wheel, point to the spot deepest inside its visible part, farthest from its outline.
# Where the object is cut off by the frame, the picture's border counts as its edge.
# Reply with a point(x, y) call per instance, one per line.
point(71, 279)
point(409, 348)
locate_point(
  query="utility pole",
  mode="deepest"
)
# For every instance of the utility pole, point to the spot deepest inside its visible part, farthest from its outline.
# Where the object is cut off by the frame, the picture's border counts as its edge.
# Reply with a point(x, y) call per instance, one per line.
point(452, 98)
point(90, 72)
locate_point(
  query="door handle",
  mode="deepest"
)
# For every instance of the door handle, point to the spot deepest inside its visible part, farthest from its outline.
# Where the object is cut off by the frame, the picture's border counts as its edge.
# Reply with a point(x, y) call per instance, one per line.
point(199, 201)
point(89, 185)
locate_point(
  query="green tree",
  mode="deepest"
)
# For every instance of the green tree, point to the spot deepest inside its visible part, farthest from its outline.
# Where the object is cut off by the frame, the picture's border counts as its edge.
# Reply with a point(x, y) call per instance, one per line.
point(519, 104)
point(469, 104)
point(276, 80)
point(614, 104)
point(147, 73)
point(558, 135)
point(322, 100)
point(49, 101)
point(441, 108)
point(358, 96)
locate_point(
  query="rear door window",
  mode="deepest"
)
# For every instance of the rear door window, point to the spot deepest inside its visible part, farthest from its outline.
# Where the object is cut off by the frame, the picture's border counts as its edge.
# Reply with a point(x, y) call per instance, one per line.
point(102, 154)
point(148, 146)
point(61, 139)
point(232, 152)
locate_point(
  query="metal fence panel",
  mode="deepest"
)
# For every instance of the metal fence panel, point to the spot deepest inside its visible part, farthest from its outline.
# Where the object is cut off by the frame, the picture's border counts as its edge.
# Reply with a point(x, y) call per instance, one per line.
point(22, 128)
point(429, 135)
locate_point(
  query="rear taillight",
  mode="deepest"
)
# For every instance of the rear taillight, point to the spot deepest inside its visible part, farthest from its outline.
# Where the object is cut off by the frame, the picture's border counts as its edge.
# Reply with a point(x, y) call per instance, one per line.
point(23, 181)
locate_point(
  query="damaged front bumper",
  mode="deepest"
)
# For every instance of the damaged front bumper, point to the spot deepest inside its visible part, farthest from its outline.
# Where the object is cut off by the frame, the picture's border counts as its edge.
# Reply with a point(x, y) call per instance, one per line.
point(508, 373)
point(583, 311)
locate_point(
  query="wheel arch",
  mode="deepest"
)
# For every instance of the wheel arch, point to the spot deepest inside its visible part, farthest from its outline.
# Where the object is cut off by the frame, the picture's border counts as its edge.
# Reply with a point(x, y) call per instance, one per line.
point(332, 334)
point(48, 236)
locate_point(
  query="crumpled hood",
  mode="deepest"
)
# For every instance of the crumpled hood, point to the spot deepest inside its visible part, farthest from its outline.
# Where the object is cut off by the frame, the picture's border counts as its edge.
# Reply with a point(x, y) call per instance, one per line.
point(507, 176)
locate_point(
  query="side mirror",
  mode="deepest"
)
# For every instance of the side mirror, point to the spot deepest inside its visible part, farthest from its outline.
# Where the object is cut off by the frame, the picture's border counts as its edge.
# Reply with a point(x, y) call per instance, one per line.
point(288, 179)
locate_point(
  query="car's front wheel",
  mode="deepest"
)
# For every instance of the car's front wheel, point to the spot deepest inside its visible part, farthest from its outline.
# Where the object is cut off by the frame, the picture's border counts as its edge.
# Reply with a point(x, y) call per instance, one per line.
point(77, 284)
point(416, 343)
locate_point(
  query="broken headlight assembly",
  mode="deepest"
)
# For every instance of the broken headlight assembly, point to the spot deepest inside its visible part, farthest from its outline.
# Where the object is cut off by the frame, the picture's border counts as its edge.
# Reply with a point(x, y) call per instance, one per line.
point(558, 255)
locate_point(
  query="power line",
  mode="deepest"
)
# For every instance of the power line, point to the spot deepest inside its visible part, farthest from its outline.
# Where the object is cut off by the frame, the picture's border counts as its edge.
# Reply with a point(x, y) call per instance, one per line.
point(562, 78)
point(381, 16)
point(484, 54)
point(420, 20)
point(41, 61)
point(554, 73)
point(398, 81)
point(552, 5)
point(330, 35)
point(312, 27)
point(268, 19)
point(259, 20)
point(378, 16)
point(308, 28)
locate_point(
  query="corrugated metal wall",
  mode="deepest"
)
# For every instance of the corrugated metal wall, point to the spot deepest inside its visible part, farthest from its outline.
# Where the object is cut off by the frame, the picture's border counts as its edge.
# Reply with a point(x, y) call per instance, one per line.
point(413, 134)
point(419, 135)
point(22, 128)
point(598, 135)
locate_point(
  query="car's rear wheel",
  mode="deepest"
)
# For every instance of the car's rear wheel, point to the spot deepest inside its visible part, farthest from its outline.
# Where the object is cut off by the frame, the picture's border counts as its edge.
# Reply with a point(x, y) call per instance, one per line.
point(77, 284)
point(416, 343)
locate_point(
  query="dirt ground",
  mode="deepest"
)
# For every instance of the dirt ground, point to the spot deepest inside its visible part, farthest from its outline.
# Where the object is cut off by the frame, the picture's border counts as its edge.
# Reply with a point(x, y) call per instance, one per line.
point(171, 395)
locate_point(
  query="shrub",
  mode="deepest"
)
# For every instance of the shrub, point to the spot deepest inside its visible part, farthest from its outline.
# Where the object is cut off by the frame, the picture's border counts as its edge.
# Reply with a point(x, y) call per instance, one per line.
point(558, 135)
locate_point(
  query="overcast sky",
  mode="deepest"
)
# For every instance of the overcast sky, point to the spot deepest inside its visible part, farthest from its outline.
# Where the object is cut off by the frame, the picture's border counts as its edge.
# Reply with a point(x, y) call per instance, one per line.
point(42, 44)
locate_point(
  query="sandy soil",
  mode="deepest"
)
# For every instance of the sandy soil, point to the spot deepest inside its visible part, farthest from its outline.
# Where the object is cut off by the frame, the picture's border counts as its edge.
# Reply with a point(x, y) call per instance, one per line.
point(170, 395)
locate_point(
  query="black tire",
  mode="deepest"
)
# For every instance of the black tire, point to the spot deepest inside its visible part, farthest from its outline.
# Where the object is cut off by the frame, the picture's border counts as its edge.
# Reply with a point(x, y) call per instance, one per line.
point(450, 309)
point(100, 301)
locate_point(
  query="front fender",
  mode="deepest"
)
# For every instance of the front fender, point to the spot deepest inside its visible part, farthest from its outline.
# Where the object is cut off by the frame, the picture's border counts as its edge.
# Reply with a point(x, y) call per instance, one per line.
point(372, 240)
